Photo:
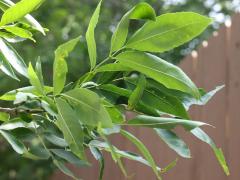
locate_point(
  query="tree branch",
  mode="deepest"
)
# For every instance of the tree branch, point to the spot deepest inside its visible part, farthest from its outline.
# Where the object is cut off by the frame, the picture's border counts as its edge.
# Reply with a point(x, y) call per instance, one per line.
point(15, 111)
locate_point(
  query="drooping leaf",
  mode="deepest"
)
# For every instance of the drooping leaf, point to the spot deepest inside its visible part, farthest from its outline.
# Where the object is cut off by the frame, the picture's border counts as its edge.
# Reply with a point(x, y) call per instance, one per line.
point(174, 142)
point(17, 123)
point(19, 10)
point(71, 127)
point(113, 67)
point(69, 157)
point(64, 169)
point(13, 58)
point(98, 156)
point(125, 154)
point(23, 33)
point(88, 107)
point(168, 31)
point(39, 72)
point(6, 67)
point(143, 149)
point(163, 122)
point(16, 144)
point(156, 68)
point(34, 80)
point(90, 36)
point(11, 95)
point(200, 134)
point(58, 141)
point(60, 68)
point(140, 11)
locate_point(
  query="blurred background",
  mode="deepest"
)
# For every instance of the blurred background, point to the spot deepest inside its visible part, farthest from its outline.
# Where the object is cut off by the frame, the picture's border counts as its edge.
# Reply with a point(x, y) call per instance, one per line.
point(67, 19)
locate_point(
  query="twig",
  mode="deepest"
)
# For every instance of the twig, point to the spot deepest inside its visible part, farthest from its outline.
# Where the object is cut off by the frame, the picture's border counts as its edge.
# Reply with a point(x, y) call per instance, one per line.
point(16, 111)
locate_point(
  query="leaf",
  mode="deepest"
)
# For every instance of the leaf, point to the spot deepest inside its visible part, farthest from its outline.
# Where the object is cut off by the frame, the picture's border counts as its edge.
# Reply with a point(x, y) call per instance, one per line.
point(113, 67)
point(90, 36)
point(200, 134)
point(11, 95)
point(163, 123)
point(116, 116)
point(16, 145)
point(19, 10)
point(159, 102)
point(39, 72)
point(71, 128)
point(64, 169)
point(125, 154)
point(60, 68)
point(169, 166)
point(98, 156)
point(137, 93)
point(88, 107)
point(13, 58)
point(205, 97)
point(17, 123)
point(6, 67)
point(4, 116)
point(34, 80)
point(69, 157)
point(58, 141)
point(174, 142)
point(140, 11)
point(23, 33)
point(156, 68)
point(168, 31)
point(143, 149)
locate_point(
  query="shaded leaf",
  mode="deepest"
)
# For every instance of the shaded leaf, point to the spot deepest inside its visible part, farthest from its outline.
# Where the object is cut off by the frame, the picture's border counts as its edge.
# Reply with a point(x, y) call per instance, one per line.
point(174, 142)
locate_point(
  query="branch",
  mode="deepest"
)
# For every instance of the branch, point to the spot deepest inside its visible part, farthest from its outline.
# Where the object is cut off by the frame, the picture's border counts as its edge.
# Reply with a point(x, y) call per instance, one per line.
point(15, 111)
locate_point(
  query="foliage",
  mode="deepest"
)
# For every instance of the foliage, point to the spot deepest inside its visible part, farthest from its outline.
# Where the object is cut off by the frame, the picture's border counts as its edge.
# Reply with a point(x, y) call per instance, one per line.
point(61, 121)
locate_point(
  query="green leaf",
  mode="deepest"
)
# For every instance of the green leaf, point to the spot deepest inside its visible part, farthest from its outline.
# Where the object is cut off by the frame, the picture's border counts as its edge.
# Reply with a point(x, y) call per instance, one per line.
point(58, 141)
point(169, 166)
point(116, 116)
point(140, 11)
point(200, 134)
point(98, 156)
point(69, 157)
point(23, 33)
point(28, 18)
point(156, 68)
point(6, 67)
point(13, 58)
point(88, 107)
point(39, 72)
point(174, 142)
point(34, 80)
point(90, 36)
point(71, 128)
point(143, 149)
point(168, 31)
point(163, 123)
point(11, 95)
point(125, 154)
point(17, 123)
point(60, 68)
point(64, 169)
point(159, 101)
point(137, 93)
point(113, 67)
point(16, 145)
point(19, 10)
point(4, 116)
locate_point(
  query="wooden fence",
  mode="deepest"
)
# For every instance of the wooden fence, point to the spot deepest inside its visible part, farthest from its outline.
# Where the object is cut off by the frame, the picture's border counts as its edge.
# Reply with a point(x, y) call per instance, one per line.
point(216, 62)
